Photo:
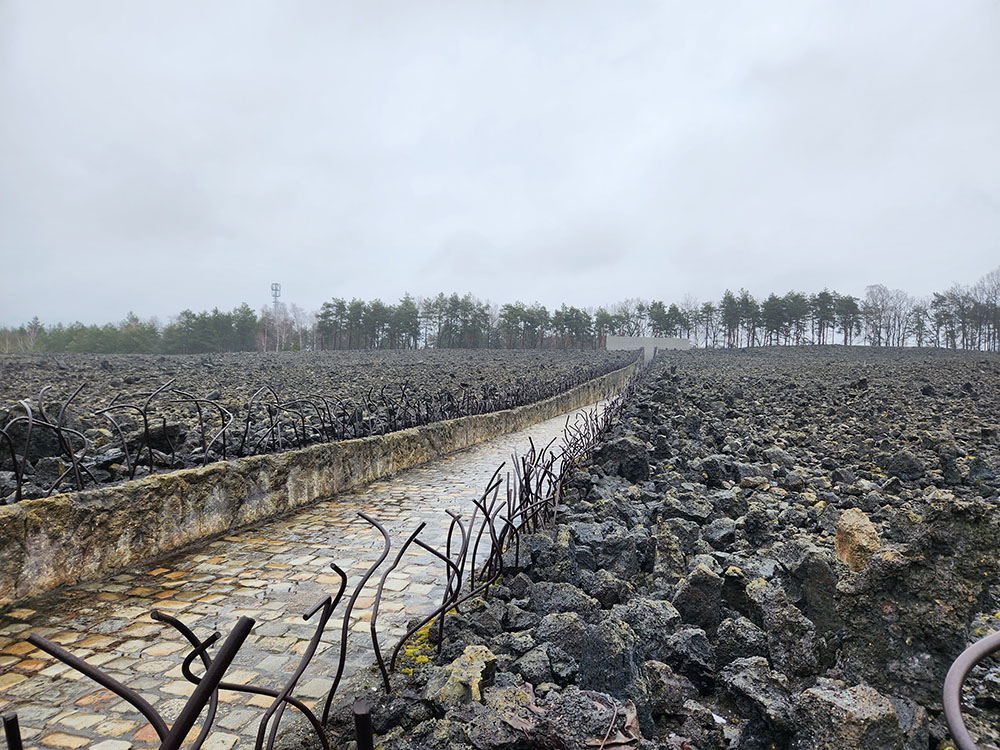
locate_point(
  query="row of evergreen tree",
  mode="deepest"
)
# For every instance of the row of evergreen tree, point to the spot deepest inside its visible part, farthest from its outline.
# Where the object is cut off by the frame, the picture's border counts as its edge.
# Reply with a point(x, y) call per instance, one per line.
point(963, 317)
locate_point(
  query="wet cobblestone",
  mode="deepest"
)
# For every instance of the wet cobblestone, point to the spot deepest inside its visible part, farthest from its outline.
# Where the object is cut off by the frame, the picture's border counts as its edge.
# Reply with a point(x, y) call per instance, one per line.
point(273, 573)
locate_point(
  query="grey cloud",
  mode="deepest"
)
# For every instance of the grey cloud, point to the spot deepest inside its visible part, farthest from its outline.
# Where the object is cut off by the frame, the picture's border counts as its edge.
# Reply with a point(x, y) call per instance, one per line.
point(369, 149)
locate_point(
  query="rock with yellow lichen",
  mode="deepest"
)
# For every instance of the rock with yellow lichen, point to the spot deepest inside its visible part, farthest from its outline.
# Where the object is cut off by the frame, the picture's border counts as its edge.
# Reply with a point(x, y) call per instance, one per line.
point(857, 538)
point(464, 679)
point(833, 715)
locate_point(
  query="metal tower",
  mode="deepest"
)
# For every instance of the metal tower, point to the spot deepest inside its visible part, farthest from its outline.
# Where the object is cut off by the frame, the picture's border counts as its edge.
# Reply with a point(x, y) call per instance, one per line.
point(275, 292)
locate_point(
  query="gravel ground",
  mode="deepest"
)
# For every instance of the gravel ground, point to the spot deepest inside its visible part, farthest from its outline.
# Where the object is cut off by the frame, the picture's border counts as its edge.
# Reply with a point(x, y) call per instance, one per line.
point(773, 549)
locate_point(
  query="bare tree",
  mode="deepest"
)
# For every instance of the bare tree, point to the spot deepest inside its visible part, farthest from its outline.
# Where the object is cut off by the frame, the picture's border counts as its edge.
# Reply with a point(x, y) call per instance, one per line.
point(303, 326)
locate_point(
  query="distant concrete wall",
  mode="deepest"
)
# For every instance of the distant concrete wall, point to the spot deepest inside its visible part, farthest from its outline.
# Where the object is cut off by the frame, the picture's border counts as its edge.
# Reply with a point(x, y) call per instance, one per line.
point(63, 539)
point(648, 344)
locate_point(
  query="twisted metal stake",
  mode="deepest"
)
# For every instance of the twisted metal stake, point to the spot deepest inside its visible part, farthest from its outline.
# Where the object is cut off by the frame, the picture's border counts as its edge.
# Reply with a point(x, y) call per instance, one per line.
point(64, 445)
point(952, 692)
point(282, 698)
point(145, 423)
point(19, 466)
point(439, 611)
point(225, 417)
point(12, 732)
point(454, 585)
point(488, 522)
point(13, 461)
point(172, 737)
point(491, 486)
point(75, 465)
point(106, 413)
point(243, 449)
point(387, 545)
point(378, 601)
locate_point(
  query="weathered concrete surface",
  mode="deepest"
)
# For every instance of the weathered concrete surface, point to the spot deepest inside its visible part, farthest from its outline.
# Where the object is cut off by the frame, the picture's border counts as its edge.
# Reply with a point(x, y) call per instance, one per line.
point(68, 538)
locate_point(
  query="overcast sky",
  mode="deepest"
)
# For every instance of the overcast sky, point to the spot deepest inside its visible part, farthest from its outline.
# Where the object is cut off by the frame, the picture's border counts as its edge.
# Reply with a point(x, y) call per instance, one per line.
point(156, 156)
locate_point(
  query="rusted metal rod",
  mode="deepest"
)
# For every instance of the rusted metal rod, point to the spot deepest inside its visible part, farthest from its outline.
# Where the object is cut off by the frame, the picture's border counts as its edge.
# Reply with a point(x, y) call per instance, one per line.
point(208, 685)
point(378, 601)
point(439, 611)
point(952, 693)
point(364, 732)
point(386, 546)
point(12, 732)
point(140, 703)
point(277, 708)
point(200, 650)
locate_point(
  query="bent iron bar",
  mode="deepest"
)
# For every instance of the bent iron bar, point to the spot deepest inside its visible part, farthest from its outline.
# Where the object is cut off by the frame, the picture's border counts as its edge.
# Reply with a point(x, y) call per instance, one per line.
point(494, 486)
point(224, 416)
point(952, 692)
point(387, 544)
point(282, 698)
point(170, 738)
point(12, 732)
point(454, 583)
point(378, 601)
point(207, 687)
point(64, 444)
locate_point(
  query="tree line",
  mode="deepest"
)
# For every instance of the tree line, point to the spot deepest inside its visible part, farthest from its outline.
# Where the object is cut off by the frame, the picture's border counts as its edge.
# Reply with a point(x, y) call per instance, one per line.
point(962, 317)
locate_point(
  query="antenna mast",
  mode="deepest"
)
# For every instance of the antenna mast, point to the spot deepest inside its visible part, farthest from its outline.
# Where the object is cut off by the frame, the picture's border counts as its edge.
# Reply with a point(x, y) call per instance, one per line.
point(275, 292)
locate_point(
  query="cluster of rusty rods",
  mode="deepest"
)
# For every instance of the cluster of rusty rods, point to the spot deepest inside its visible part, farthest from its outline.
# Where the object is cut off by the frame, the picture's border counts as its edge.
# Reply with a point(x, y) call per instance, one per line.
point(531, 501)
point(270, 424)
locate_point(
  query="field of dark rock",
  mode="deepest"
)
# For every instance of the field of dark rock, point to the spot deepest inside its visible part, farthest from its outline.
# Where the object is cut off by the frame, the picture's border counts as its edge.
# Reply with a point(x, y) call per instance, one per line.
point(167, 412)
point(773, 549)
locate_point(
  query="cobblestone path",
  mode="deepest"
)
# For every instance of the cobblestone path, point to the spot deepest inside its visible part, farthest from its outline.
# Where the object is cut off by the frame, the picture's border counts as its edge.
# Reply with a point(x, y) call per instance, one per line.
point(273, 573)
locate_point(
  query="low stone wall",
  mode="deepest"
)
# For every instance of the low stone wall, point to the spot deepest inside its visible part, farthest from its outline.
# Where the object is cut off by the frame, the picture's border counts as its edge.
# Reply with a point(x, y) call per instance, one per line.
point(63, 539)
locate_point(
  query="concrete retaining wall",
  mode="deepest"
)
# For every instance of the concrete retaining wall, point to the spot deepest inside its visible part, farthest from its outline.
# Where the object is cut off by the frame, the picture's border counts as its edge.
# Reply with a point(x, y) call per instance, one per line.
point(67, 538)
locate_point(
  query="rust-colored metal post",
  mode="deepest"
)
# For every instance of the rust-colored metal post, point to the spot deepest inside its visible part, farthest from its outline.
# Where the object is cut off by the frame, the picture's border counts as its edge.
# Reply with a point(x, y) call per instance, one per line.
point(12, 731)
point(363, 730)
point(208, 685)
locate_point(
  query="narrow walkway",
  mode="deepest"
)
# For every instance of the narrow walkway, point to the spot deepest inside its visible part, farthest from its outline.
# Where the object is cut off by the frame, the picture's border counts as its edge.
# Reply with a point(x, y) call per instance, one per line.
point(273, 573)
